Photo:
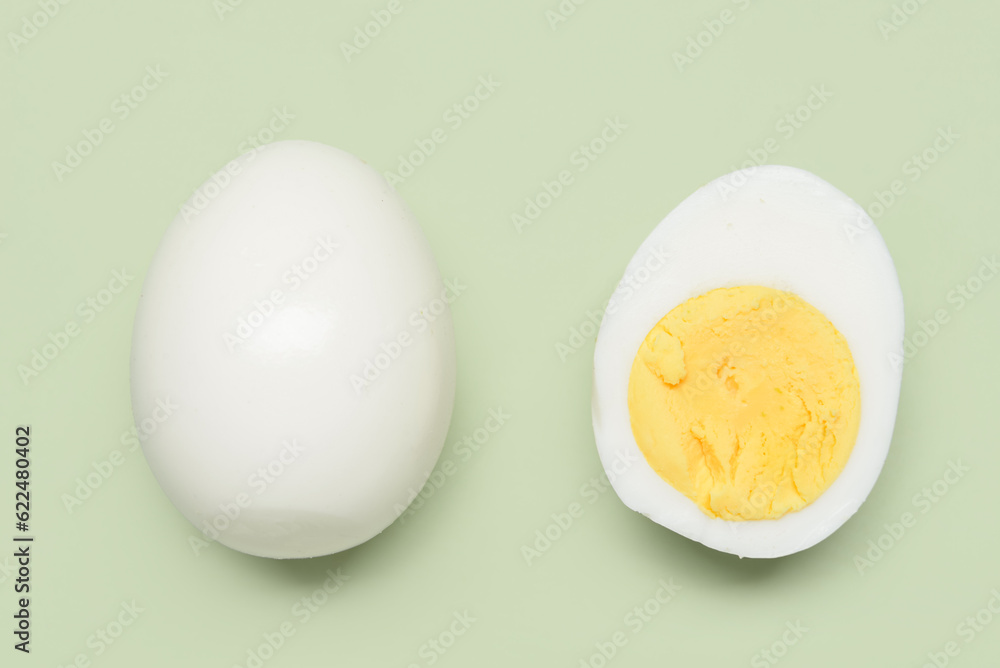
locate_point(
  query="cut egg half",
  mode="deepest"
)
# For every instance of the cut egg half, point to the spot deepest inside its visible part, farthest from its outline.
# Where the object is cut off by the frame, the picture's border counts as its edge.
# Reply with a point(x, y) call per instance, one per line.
point(745, 393)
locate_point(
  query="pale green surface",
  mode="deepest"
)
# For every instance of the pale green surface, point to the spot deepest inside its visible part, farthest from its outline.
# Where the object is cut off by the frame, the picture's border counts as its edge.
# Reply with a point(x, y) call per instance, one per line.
point(462, 550)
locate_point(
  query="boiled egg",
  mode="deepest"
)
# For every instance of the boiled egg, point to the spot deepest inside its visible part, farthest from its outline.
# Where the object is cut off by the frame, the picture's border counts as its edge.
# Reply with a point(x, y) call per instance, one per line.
point(295, 316)
point(750, 384)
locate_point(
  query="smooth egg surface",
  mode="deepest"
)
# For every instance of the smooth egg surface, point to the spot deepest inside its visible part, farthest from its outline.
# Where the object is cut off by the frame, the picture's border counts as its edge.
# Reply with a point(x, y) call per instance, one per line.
point(295, 316)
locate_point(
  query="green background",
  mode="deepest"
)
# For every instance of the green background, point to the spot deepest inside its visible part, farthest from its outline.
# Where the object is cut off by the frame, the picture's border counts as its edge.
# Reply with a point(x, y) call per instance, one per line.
point(225, 72)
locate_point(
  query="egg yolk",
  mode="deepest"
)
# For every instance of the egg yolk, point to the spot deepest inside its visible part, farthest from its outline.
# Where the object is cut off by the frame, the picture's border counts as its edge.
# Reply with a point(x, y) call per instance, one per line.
point(745, 400)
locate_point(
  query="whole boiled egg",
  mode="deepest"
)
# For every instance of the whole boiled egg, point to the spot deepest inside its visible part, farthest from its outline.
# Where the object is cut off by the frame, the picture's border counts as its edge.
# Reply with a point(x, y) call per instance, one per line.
point(296, 323)
point(745, 392)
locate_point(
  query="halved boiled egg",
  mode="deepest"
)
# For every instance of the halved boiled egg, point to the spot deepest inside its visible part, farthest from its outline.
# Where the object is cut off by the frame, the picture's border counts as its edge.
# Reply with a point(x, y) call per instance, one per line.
point(751, 383)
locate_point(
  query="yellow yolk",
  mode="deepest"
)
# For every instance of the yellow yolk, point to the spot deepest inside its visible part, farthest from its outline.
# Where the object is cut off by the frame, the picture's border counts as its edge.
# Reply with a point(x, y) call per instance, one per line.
point(745, 400)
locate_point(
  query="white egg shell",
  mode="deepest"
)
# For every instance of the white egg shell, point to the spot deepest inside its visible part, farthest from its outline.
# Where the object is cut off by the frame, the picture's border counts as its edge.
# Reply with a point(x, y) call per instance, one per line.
point(292, 336)
point(778, 227)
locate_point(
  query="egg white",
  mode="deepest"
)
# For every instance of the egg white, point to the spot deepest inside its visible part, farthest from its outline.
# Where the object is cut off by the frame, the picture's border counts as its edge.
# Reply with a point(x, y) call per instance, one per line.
point(365, 452)
point(779, 227)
